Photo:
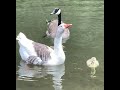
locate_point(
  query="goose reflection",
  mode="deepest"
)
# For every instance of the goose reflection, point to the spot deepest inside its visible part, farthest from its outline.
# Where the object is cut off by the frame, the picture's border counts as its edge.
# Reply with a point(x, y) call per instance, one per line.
point(32, 73)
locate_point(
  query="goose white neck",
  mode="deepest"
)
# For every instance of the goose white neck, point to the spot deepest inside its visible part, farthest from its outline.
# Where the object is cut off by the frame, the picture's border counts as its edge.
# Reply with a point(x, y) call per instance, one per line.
point(58, 49)
point(58, 44)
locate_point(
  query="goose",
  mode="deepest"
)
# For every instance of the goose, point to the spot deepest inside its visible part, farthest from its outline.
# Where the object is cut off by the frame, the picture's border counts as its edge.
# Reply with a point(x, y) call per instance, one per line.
point(40, 54)
point(92, 63)
point(53, 24)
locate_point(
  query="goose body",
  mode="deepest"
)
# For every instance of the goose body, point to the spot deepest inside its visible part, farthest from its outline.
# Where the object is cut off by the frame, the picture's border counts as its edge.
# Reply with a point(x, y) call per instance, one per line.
point(40, 54)
point(92, 63)
point(53, 24)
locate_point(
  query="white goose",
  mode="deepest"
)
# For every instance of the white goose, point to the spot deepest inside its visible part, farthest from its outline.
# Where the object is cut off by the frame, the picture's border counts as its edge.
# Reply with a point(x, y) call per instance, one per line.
point(53, 24)
point(40, 54)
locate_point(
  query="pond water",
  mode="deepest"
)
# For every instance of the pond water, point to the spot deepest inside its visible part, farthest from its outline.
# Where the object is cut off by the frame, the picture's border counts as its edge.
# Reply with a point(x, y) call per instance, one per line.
point(86, 41)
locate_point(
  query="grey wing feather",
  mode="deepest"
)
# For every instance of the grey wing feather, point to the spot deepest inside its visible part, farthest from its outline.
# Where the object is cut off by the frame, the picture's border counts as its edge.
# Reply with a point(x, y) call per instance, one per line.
point(42, 51)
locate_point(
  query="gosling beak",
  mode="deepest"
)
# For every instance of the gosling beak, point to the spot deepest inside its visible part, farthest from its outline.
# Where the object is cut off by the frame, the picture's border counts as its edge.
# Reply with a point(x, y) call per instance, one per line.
point(67, 25)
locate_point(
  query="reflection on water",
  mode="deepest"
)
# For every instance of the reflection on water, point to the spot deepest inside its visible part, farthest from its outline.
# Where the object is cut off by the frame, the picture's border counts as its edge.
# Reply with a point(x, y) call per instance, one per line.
point(31, 73)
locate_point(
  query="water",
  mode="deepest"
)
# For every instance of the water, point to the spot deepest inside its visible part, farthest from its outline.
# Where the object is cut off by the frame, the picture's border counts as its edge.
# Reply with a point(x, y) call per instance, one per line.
point(86, 41)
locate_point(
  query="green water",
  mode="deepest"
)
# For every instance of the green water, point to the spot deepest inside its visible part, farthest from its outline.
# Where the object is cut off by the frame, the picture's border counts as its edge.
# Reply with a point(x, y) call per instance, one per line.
point(86, 41)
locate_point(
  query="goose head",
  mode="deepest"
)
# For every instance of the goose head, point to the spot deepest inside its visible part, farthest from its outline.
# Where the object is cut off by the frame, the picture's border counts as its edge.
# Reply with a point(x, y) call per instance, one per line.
point(61, 28)
point(56, 11)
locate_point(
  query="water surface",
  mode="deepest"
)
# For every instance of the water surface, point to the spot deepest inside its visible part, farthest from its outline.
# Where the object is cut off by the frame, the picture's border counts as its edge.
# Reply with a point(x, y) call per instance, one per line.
point(86, 41)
